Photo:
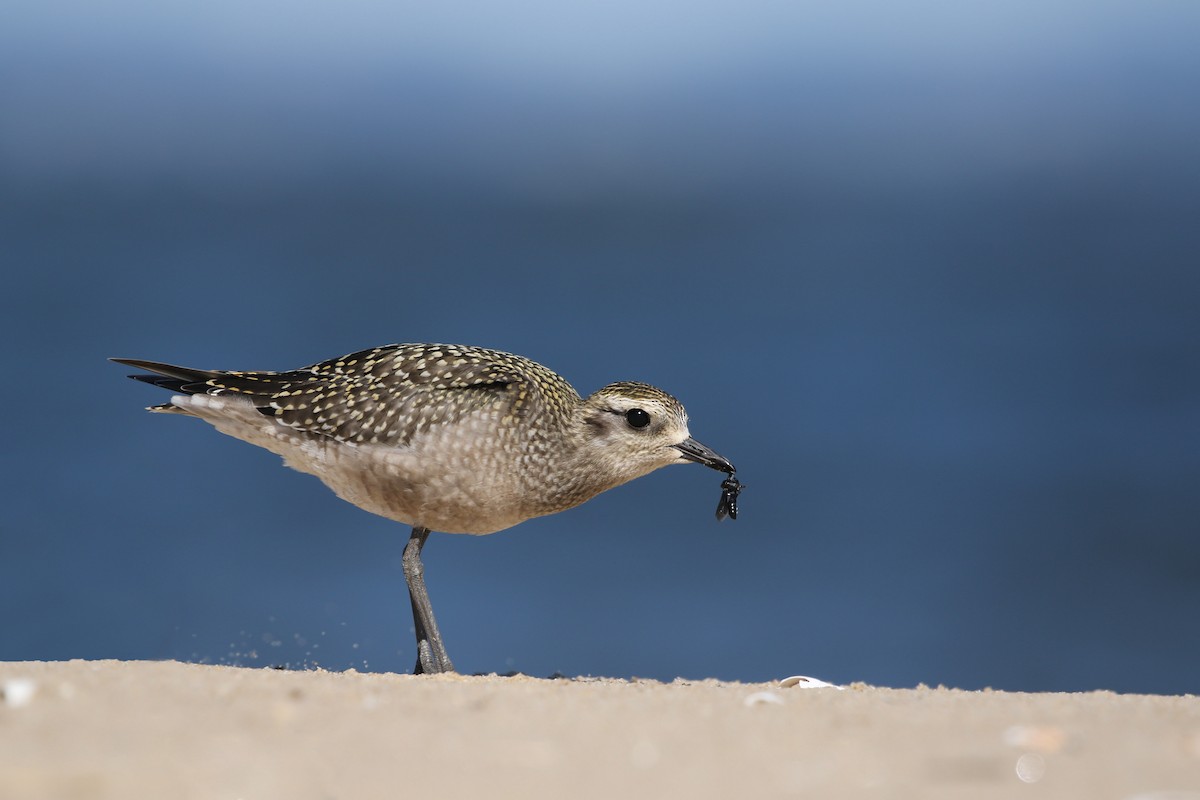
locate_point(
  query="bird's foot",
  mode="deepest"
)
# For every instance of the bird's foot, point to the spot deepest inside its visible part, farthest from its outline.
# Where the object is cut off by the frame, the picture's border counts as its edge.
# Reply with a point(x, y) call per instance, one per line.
point(431, 662)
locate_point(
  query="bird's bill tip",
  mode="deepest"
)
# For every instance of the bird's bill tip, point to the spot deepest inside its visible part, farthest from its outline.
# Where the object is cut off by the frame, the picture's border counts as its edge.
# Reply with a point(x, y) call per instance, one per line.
point(691, 450)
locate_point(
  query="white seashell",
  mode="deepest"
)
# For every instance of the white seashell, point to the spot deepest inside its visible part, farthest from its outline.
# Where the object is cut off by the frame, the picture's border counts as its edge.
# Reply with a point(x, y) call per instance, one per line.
point(805, 682)
point(17, 692)
point(763, 698)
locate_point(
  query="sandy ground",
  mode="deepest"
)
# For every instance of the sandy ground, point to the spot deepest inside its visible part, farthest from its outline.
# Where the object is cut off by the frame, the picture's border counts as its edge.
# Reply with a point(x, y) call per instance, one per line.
point(111, 729)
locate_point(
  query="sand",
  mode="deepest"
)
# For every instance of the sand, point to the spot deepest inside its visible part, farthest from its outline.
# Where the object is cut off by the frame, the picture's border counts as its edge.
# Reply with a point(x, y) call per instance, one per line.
point(112, 729)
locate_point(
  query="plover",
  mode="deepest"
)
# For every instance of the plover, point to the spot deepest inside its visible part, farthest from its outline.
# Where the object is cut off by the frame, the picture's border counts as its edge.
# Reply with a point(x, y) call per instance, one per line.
point(442, 437)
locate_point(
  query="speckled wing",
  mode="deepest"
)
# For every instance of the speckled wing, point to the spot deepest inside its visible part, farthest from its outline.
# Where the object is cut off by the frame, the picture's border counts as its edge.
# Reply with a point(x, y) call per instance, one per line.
point(385, 395)
point(388, 395)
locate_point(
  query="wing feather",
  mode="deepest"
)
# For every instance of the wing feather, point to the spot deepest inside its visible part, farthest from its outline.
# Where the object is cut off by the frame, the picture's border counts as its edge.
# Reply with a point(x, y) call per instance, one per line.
point(384, 395)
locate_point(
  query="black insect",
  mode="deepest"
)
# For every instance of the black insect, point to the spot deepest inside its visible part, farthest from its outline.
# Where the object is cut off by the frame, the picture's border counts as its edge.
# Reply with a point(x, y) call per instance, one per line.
point(727, 506)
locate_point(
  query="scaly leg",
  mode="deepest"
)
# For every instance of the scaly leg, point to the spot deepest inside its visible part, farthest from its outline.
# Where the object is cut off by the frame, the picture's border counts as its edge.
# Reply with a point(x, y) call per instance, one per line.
point(431, 652)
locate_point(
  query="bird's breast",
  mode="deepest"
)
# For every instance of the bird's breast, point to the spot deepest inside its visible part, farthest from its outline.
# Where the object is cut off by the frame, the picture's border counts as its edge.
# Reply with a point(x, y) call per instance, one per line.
point(470, 477)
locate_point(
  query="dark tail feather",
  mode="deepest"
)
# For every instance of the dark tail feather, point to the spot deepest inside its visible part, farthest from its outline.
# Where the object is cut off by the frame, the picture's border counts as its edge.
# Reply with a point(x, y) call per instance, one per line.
point(169, 376)
point(194, 381)
point(170, 384)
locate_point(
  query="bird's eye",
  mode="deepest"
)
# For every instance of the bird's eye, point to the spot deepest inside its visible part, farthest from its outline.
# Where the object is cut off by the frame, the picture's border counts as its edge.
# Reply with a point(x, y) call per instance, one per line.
point(637, 418)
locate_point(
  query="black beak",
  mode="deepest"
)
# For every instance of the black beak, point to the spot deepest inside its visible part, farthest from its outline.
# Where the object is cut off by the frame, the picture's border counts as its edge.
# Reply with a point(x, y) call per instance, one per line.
point(694, 451)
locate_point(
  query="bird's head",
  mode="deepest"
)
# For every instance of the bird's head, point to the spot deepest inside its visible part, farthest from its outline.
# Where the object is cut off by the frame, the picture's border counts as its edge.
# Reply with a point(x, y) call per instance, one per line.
point(632, 429)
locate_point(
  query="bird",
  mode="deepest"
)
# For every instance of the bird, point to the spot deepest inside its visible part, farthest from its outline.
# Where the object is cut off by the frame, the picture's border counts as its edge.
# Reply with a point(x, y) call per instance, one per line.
point(443, 437)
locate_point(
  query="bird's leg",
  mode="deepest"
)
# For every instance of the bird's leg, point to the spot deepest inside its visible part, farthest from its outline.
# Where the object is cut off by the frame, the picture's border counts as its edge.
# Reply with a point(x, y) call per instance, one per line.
point(431, 652)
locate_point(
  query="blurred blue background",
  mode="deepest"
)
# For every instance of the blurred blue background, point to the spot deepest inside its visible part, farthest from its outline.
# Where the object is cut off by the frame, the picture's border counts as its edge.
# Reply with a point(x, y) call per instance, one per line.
point(927, 273)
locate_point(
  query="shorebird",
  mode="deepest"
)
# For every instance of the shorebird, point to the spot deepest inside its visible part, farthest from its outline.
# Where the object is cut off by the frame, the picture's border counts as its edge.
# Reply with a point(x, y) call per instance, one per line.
point(441, 437)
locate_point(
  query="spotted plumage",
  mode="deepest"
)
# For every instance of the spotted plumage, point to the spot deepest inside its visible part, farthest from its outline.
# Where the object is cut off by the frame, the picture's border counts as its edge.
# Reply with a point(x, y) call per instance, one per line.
point(385, 395)
point(443, 437)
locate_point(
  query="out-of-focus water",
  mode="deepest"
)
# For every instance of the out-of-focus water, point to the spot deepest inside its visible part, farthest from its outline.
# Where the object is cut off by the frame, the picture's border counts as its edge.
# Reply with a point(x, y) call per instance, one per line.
point(932, 287)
